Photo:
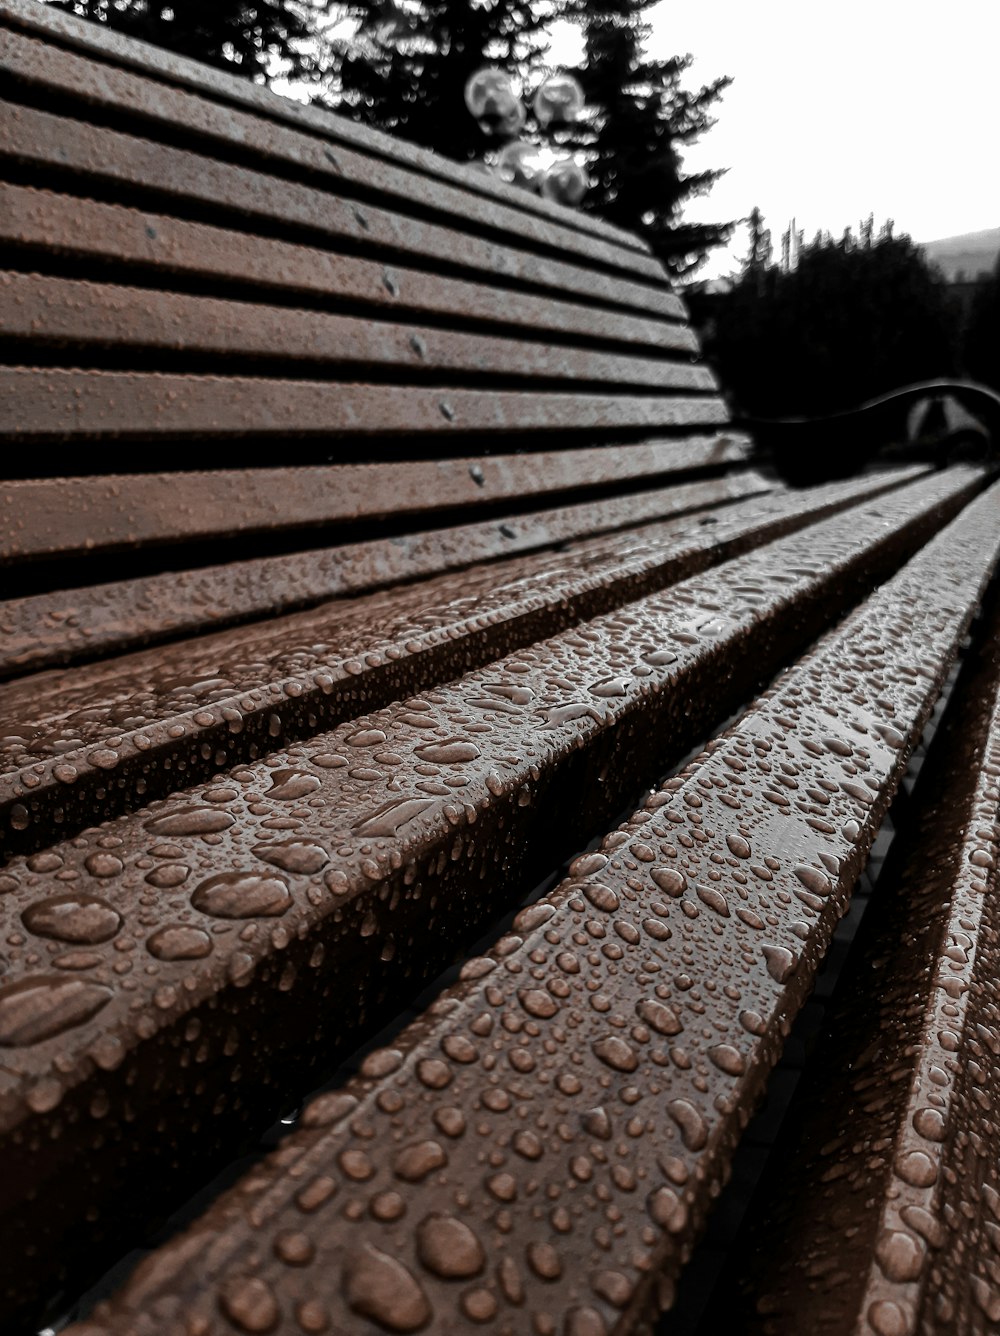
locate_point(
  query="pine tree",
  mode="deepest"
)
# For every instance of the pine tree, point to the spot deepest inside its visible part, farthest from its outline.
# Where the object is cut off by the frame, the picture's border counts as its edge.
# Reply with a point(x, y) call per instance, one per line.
point(642, 120)
point(251, 40)
point(406, 69)
point(760, 254)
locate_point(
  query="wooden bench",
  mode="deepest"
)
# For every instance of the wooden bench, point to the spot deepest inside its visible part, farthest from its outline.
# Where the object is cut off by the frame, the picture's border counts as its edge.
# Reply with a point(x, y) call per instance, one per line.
point(374, 542)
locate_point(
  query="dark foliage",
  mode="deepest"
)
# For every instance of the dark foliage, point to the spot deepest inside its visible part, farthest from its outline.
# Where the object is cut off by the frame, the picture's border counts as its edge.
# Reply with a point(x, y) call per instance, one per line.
point(855, 319)
point(406, 70)
point(234, 35)
point(981, 343)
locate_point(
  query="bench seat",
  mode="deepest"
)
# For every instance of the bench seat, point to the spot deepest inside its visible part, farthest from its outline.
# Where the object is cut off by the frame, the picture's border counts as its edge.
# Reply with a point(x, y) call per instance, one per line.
point(391, 603)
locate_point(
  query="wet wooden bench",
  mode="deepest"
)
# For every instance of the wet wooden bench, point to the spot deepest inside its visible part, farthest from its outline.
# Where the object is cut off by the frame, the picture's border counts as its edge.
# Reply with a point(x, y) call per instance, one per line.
point(374, 539)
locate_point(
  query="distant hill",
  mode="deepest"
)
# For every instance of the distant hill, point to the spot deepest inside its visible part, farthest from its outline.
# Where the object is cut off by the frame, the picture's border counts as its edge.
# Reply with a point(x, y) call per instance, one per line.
point(971, 254)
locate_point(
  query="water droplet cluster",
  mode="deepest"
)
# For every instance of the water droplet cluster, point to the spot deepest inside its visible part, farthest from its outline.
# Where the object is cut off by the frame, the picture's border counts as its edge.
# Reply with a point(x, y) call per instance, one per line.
point(559, 1121)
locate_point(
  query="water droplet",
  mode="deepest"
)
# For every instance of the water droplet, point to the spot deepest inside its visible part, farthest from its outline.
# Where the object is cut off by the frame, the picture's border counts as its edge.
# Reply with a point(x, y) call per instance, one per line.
point(658, 1016)
point(544, 1261)
point(753, 1022)
point(249, 1304)
point(237, 895)
point(601, 897)
point(613, 1286)
point(451, 751)
point(900, 1255)
point(294, 1248)
point(738, 846)
point(888, 1318)
point(669, 880)
point(478, 1304)
point(434, 1073)
point(616, 1053)
point(610, 687)
point(728, 1059)
point(713, 898)
point(450, 1121)
point(83, 919)
point(380, 1287)
point(585, 1322)
point(781, 963)
point(926, 1225)
point(693, 1128)
point(667, 1209)
point(449, 1248)
point(415, 1162)
point(168, 876)
point(103, 864)
point(38, 1008)
point(367, 737)
point(190, 821)
point(917, 1168)
point(392, 816)
point(537, 1002)
point(930, 1124)
point(596, 1123)
point(381, 1062)
point(287, 785)
point(293, 856)
point(387, 1206)
point(179, 941)
point(814, 880)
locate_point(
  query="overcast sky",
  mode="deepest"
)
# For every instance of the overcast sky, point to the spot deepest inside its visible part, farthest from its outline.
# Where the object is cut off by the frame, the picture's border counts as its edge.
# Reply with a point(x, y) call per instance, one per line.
point(840, 110)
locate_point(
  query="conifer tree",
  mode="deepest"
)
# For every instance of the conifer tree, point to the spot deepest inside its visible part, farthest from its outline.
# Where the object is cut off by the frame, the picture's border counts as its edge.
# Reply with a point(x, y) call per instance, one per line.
point(406, 68)
point(760, 253)
point(643, 119)
point(249, 39)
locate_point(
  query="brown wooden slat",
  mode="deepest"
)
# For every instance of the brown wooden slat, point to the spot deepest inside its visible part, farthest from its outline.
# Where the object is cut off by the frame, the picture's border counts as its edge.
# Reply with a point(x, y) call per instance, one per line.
point(122, 238)
point(246, 198)
point(113, 48)
point(49, 628)
point(101, 620)
point(55, 402)
point(388, 856)
point(45, 517)
point(907, 1066)
point(153, 108)
point(88, 316)
point(543, 1147)
point(152, 715)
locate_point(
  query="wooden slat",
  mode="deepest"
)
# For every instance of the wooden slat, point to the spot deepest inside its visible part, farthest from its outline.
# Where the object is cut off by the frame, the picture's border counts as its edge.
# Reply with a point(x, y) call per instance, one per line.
point(907, 1066)
point(62, 403)
point(114, 48)
point(247, 199)
point(154, 714)
point(104, 619)
point(155, 109)
point(124, 240)
point(89, 316)
point(546, 1143)
point(84, 622)
point(46, 517)
point(370, 842)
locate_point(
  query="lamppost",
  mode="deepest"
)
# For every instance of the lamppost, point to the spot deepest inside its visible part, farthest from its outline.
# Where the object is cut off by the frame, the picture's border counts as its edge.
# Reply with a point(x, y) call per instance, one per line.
point(501, 114)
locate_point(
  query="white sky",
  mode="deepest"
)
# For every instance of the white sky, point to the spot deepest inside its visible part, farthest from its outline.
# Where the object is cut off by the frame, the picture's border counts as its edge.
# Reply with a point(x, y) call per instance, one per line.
point(840, 110)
